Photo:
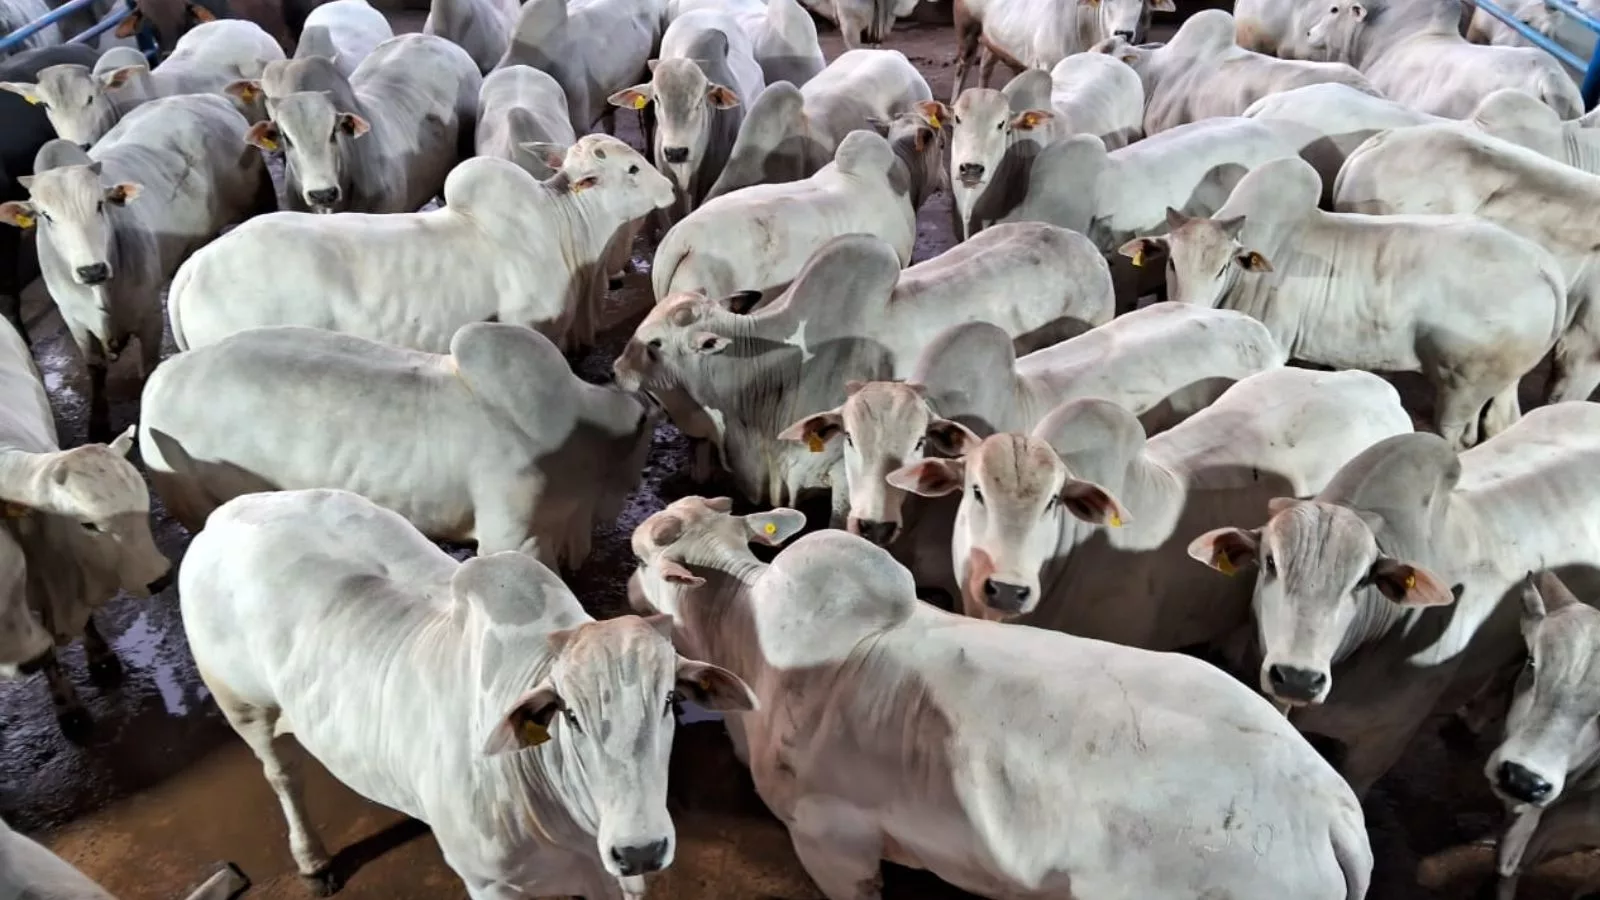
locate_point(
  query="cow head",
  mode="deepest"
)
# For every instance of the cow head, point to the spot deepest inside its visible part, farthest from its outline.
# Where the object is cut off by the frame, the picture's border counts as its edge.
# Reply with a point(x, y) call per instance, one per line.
point(884, 426)
point(77, 102)
point(1126, 19)
point(23, 639)
point(1204, 257)
point(686, 105)
point(1334, 32)
point(918, 140)
point(982, 131)
point(1135, 56)
point(673, 343)
point(1015, 493)
point(74, 210)
point(1552, 728)
point(604, 167)
point(312, 133)
point(1316, 563)
point(598, 704)
point(700, 533)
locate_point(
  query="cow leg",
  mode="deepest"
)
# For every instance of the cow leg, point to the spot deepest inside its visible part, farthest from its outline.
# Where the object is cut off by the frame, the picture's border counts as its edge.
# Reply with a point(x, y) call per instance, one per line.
point(968, 31)
point(256, 726)
point(1503, 412)
point(1456, 410)
point(987, 60)
point(105, 669)
point(70, 712)
point(1577, 366)
point(840, 849)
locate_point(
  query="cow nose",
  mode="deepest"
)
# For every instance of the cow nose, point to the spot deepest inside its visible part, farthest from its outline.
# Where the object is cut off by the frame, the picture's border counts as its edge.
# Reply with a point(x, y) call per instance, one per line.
point(35, 664)
point(1521, 783)
point(160, 584)
point(675, 154)
point(1293, 683)
point(1004, 596)
point(99, 273)
point(1125, 35)
point(323, 196)
point(971, 171)
point(640, 859)
point(880, 533)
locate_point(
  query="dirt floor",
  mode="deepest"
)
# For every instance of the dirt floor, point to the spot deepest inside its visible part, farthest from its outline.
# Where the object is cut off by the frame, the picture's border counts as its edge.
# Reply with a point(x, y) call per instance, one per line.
point(164, 789)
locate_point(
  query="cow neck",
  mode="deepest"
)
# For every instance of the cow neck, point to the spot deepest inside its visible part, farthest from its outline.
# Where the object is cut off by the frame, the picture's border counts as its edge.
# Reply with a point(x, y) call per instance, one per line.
point(1368, 44)
point(718, 618)
point(752, 385)
point(1581, 154)
point(584, 232)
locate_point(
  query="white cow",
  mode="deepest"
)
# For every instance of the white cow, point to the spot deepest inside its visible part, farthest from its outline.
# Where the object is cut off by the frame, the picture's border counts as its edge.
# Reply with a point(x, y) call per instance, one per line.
point(1038, 34)
point(1545, 768)
point(522, 117)
point(526, 456)
point(1202, 74)
point(1274, 27)
point(1163, 363)
point(758, 238)
point(1116, 196)
point(83, 106)
point(1100, 95)
point(862, 22)
point(1377, 292)
point(29, 870)
point(481, 27)
point(890, 730)
point(850, 314)
point(706, 73)
point(380, 141)
point(75, 531)
point(790, 132)
point(1520, 118)
point(1027, 534)
point(1328, 121)
point(1414, 54)
point(781, 32)
point(1394, 577)
point(115, 223)
point(1432, 169)
point(593, 48)
point(345, 31)
point(503, 247)
point(476, 697)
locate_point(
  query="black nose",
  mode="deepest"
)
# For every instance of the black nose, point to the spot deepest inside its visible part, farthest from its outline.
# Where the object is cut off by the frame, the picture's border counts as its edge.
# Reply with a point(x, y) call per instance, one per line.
point(641, 859)
point(971, 171)
point(83, 146)
point(880, 533)
point(675, 154)
point(160, 584)
point(35, 664)
point(1125, 35)
point(323, 196)
point(1005, 597)
point(1520, 783)
point(99, 273)
point(1291, 683)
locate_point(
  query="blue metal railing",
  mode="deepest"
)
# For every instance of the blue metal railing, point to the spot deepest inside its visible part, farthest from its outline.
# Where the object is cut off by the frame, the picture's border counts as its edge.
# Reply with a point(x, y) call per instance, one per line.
point(14, 39)
point(1590, 67)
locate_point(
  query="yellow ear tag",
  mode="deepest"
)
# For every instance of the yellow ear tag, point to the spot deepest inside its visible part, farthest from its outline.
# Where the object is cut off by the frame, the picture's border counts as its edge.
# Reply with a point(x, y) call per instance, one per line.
point(1116, 521)
point(640, 102)
point(269, 144)
point(1224, 564)
point(1411, 582)
point(814, 443)
point(933, 120)
point(531, 733)
point(1138, 257)
point(770, 529)
point(32, 100)
point(16, 510)
point(23, 220)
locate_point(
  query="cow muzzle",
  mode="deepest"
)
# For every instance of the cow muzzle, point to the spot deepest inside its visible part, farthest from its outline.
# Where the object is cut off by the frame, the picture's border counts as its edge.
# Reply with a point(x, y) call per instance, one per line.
point(1296, 686)
point(675, 155)
point(1005, 597)
point(880, 533)
point(634, 860)
point(970, 174)
point(322, 200)
point(1124, 34)
point(1522, 784)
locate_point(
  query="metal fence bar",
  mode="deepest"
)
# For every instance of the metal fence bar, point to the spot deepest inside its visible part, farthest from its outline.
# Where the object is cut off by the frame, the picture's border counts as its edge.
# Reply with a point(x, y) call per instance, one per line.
point(15, 38)
point(1539, 40)
point(1574, 13)
point(102, 26)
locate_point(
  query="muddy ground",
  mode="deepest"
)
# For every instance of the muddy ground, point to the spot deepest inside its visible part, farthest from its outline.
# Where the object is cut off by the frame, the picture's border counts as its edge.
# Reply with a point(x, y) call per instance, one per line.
point(164, 789)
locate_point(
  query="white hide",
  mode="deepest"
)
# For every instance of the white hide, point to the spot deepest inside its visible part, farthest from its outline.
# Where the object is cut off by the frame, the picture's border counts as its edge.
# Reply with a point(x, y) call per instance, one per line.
point(520, 105)
point(346, 31)
point(480, 27)
point(592, 48)
point(1038, 34)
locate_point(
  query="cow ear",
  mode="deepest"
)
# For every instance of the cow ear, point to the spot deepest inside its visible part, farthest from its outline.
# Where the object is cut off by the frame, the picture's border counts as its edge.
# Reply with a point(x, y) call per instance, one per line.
point(676, 572)
point(776, 526)
point(1163, 6)
point(1544, 593)
point(930, 477)
point(130, 25)
point(636, 97)
point(1408, 585)
point(1175, 219)
point(1092, 503)
point(714, 687)
point(816, 430)
point(951, 438)
point(19, 213)
point(554, 155)
point(28, 92)
point(118, 77)
point(937, 114)
point(1251, 261)
point(741, 302)
point(721, 97)
point(201, 14)
point(246, 91)
point(124, 441)
point(527, 724)
point(710, 343)
point(353, 125)
point(121, 194)
point(1227, 549)
point(263, 135)
point(1028, 120)
point(1138, 248)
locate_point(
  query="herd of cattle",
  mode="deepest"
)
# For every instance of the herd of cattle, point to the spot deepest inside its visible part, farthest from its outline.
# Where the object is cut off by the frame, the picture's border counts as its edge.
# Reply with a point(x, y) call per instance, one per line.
point(1011, 425)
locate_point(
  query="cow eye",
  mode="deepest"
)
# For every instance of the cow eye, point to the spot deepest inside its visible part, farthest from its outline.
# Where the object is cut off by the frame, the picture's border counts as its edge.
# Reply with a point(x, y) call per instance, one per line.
point(1000, 127)
point(654, 344)
point(977, 494)
point(673, 699)
point(848, 440)
point(572, 719)
point(633, 169)
point(921, 443)
point(1270, 565)
point(92, 527)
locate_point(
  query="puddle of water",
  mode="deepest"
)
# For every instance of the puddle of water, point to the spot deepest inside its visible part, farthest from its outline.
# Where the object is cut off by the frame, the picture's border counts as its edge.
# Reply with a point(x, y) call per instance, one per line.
point(139, 647)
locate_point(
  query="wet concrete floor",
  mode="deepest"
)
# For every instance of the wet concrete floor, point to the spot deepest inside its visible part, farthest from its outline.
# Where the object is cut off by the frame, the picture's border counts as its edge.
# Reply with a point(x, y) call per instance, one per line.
point(164, 789)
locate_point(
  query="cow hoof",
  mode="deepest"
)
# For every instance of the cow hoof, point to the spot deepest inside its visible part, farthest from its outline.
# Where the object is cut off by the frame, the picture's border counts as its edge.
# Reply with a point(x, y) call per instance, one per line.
point(76, 726)
point(106, 671)
point(323, 884)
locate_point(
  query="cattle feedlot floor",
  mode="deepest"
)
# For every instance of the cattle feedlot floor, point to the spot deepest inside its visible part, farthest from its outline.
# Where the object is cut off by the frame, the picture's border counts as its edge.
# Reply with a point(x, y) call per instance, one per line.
point(165, 789)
